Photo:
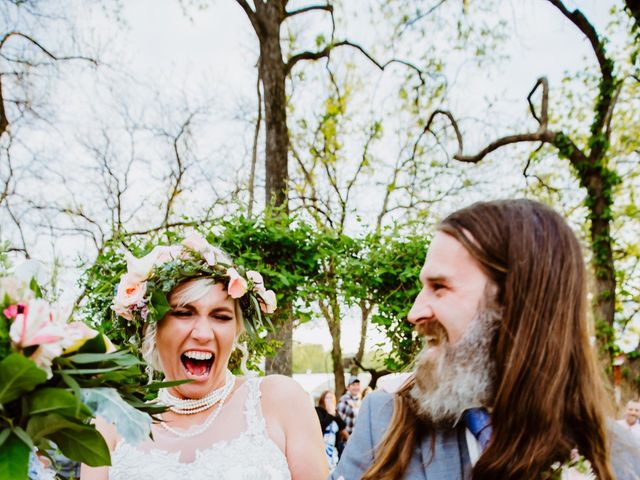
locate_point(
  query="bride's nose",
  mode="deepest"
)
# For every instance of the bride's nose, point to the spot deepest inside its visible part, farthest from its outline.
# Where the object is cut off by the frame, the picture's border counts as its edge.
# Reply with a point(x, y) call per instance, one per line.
point(202, 330)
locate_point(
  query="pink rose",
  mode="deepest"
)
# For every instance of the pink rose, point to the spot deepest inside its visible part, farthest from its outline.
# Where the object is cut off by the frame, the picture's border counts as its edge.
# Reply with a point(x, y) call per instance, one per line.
point(269, 301)
point(122, 311)
point(237, 285)
point(131, 291)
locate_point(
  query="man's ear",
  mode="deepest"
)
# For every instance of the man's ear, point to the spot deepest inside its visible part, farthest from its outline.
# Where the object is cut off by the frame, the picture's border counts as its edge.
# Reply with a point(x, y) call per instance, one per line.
point(492, 295)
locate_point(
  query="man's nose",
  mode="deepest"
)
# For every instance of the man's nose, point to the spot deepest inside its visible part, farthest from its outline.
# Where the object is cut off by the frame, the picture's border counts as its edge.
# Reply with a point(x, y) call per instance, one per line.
point(421, 311)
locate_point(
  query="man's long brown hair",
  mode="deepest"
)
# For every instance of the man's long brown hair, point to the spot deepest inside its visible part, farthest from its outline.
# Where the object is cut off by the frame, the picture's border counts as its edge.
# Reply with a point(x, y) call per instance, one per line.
point(549, 393)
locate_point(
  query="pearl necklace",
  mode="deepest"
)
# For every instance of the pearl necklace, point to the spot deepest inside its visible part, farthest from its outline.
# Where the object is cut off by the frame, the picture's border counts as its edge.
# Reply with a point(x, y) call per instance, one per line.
point(189, 406)
point(226, 390)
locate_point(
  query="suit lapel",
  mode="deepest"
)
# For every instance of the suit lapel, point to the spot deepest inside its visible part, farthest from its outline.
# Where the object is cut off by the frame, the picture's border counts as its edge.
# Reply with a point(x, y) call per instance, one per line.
point(446, 463)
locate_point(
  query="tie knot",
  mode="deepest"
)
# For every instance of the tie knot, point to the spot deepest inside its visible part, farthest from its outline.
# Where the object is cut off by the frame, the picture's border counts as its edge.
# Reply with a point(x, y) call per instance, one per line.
point(478, 421)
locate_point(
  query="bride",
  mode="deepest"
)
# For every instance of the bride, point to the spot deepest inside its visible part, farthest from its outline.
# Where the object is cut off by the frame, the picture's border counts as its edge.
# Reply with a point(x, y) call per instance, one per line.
point(218, 425)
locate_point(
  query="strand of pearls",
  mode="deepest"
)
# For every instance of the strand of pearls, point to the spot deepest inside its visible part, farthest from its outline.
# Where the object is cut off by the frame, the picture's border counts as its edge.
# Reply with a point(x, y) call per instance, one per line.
point(197, 431)
point(189, 406)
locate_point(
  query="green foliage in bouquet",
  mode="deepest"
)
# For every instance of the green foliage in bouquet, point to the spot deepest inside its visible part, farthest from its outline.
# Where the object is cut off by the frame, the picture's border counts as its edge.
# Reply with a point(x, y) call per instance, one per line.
point(56, 377)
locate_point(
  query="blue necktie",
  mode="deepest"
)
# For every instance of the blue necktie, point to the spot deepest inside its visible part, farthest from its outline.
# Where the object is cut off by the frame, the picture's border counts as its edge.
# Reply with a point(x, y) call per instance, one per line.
point(478, 421)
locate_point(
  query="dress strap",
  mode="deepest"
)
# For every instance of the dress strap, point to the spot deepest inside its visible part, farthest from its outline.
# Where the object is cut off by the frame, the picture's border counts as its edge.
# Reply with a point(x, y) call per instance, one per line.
point(253, 410)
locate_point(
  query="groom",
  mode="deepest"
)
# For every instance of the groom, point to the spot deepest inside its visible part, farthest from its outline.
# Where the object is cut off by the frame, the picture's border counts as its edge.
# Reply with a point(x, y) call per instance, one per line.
point(507, 384)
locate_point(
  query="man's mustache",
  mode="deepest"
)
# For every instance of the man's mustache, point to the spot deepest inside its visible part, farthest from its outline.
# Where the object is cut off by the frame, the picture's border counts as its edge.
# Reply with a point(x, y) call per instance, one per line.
point(433, 332)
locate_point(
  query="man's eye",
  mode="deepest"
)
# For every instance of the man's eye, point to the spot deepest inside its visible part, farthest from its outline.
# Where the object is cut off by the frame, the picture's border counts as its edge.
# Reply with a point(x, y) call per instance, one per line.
point(437, 286)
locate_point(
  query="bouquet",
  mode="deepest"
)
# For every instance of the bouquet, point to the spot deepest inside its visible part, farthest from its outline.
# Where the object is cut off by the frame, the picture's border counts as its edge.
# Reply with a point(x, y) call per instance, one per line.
point(56, 375)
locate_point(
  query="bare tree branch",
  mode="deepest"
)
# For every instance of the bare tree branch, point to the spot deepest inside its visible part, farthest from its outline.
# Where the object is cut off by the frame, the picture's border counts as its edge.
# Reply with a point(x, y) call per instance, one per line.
point(43, 49)
point(326, 53)
point(252, 17)
point(543, 120)
point(605, 102)
point(422, 15)
point(176, 188)
point(327, 7)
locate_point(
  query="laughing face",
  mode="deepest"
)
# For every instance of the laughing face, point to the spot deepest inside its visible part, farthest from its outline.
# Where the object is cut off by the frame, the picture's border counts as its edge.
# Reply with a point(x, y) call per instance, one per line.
point(195, 339)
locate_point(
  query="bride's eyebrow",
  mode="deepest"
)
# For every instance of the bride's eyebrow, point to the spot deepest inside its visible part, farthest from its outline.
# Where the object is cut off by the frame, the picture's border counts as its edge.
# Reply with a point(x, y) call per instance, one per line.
point(188, 306)
point(222, 310)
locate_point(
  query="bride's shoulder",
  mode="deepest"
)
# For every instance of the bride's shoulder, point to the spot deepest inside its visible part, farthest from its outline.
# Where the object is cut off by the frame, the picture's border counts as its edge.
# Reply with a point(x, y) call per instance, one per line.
point(281, 390)
point(277, 385)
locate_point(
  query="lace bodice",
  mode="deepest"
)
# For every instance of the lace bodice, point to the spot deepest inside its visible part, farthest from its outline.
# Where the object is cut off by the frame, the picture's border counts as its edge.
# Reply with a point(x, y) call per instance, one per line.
point(250, 455)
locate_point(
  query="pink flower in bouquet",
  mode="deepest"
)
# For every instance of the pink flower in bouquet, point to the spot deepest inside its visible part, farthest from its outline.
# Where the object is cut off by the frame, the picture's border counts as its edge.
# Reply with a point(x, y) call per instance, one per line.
point(76, 334)
point(237, 285)
point(11, 311)
point(44, 355)
point(17, 289)
point(269, 301)
point(35, 326)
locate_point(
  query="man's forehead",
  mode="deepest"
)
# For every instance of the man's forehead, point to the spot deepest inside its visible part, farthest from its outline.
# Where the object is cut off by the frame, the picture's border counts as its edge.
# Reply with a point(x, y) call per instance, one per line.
point(446, 258)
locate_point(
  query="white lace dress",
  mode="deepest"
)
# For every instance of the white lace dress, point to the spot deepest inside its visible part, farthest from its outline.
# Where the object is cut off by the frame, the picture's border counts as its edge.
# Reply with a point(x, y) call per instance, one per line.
point(224, 451)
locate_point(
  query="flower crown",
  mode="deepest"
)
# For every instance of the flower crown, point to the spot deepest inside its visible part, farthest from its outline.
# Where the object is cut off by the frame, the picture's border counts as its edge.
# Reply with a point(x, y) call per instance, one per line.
point(142, 293)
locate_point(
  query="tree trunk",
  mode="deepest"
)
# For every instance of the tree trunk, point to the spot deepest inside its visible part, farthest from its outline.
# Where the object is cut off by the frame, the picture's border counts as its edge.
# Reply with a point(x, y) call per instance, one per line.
point(282, 361)
point(365, 310)
point(336, 348)
point(269, 16)
point(331, 313)
point(600, 205)
point(273, 73)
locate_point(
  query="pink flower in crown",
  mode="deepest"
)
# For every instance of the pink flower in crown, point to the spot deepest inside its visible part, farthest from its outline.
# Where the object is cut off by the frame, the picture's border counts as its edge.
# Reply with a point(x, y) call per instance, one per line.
point(122, 311)
point(269, 302)
point(268, 299)
point(237, 285)
point(167, 253)
point(197, 242)
point(130, 293)
point(256, 278)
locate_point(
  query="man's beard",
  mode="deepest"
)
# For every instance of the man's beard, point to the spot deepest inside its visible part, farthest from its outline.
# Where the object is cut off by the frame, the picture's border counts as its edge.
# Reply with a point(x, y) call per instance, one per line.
point(456, 377)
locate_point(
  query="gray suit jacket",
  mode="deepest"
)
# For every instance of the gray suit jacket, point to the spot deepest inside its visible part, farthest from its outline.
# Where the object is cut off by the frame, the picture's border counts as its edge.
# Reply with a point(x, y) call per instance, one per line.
point(450, 460)
point(451, 457)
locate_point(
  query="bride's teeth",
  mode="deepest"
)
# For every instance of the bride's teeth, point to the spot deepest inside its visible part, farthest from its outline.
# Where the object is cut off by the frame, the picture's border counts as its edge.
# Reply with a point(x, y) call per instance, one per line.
point(196, 355)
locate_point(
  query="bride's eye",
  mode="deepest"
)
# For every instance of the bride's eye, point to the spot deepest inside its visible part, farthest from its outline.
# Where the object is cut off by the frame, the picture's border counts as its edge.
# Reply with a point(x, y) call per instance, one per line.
point(181, 313)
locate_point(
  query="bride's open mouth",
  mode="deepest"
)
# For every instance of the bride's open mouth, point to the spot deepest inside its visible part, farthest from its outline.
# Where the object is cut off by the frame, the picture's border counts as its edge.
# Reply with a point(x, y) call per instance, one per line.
point(197, 363)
